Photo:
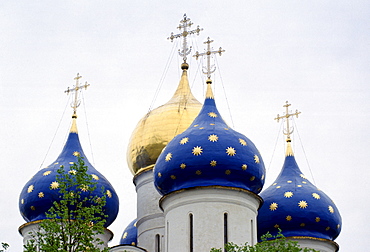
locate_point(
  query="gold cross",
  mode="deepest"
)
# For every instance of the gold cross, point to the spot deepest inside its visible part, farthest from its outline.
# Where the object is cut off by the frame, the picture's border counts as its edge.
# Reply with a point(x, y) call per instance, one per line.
point(208, 69)
point(77, 87)
point(288, 130)
point(185, 23)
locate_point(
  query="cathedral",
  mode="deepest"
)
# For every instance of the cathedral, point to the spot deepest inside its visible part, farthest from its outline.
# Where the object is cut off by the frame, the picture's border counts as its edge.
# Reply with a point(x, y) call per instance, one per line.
point(199, 183)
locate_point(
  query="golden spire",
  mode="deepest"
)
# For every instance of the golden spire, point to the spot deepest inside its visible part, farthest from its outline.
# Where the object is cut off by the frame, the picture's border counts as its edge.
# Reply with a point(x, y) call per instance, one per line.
point(185, 23)
point(289, 130)
point(76, 102)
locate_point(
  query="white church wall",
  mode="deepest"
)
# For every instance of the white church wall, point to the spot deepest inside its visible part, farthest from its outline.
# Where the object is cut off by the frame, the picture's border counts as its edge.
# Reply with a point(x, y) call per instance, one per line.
point(208, 207)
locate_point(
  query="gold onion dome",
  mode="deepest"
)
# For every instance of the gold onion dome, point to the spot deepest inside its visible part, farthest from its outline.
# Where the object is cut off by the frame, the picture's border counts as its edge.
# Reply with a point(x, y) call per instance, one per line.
point(161, 125)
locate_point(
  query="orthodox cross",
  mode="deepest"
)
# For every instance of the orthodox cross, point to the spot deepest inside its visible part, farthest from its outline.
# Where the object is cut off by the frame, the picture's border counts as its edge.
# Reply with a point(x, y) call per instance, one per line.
point(75, 89)
point(288, 130)
point(185, 23)
point(209, 69)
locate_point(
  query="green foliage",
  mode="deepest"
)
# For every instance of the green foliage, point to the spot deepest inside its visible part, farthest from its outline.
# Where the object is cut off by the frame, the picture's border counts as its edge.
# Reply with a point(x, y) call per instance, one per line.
point(4, 246)
point(269, 243)
point(75, 219)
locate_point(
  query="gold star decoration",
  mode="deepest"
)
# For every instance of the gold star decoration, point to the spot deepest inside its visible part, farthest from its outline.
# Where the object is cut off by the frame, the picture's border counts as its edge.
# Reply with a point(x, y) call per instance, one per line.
point(198, 172)
point(73, 172)
point(244, 167)
point(316, 196)
point(54, 185)
point(304, 182)
point(256, 159)
point(273, 206)
point(124, 235)
point(242, 142)
point(22, 201)
point(288, 194)
point(331, 209)
point(173, 177)
point(288, 218)
point(289, 181)
point(231, 151)
point(302, 224)
point(276, 226)
point(317, 219)
point(212, 124)
point(184, 140)
point(252, 178)
point(30, 188)
point(71, 163)
point(109, 194)
point(41, 195)
point(46, 173)
point(212, 114)
point(327, 228)
point(159, 174)
point(278, 187)
point(263, 176)
point(94, 176)
point(197, 150)
point(302, 204)
point(213, 163)
point(274, 184)
point(299, 185)
point(227, 172)
point(196, 125)
point(76, 154)
point(135, 224)
point(213, 138)
point(303, 176)
point(168, 157)
point(183, 166)
point(201, 128)
point(33, 208)
point(226, 128)
point(84, 188)
point(338, 226)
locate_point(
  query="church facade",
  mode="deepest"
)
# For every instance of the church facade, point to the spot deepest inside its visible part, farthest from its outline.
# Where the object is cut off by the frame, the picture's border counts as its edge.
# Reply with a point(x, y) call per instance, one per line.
point(199, 183)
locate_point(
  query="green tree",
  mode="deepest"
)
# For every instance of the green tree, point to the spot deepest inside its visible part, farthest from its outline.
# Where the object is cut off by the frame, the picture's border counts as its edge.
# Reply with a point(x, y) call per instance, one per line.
point(75, 219)
point(269, 243)
point(4, 246)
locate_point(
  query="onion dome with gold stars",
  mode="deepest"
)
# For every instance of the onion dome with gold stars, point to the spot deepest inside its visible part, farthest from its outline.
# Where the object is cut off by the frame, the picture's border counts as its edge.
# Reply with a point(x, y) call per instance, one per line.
point(296, 206)
point(209, 153)
point(129, 236)
point(159, 126)
point(42, 189)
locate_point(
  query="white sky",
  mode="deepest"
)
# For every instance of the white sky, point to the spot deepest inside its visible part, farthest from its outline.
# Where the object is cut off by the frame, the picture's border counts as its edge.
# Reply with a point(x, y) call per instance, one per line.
point(316, 54)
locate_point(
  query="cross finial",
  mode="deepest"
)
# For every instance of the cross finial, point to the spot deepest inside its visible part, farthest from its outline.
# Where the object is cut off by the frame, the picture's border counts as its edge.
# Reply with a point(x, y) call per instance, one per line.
point(75, 89)
point(288, 129)
point(185, 23)
point(209, 68)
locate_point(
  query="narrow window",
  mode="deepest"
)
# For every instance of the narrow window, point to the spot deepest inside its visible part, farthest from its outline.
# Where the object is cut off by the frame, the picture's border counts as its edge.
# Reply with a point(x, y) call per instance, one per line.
point(252, 233)
point(157, 243)
point(225, 229)
point(191, 232)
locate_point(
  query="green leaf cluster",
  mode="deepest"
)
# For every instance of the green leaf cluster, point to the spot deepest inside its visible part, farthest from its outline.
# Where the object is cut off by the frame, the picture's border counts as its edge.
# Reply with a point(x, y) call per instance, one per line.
point(269, 243)
point(76, 218)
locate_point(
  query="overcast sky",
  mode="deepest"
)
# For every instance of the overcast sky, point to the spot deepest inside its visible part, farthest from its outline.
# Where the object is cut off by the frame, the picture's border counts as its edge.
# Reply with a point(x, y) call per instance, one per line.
point(315, 54)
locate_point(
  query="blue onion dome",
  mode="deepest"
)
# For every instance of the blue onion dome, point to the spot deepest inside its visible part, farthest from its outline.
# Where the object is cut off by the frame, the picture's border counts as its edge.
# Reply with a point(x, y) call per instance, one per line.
point(129, 236)
point(209, 153)
point(297, 207)
point(41, 190)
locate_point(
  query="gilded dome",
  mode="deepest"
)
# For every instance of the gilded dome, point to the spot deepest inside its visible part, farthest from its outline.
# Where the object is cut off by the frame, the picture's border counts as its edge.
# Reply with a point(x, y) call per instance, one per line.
point(161, 125)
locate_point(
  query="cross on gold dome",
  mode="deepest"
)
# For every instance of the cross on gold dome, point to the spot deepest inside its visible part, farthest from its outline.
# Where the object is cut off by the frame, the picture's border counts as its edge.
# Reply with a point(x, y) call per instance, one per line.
point(75, 89)
point(209, 68)
point(288, 130)
point(185, 23)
